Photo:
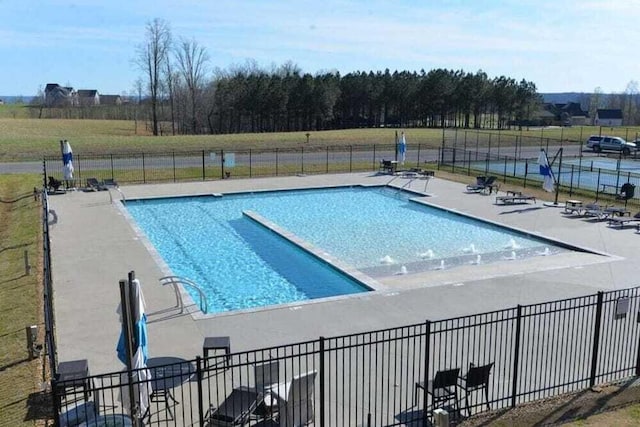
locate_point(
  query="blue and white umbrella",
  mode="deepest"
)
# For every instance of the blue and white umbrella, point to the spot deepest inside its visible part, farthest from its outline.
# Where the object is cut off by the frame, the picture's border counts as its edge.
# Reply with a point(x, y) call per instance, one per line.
point(402, 148)
point(67, 160)
point(142, 376)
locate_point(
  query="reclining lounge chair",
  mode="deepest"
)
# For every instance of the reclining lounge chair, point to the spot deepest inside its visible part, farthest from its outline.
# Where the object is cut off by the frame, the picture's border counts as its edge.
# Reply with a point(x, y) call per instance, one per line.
point(622, 221)
point(94, 185)
point(482, 185)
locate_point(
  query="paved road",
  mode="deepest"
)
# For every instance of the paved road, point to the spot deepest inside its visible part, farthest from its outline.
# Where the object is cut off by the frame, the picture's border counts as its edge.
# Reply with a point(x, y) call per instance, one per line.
point(149, 162)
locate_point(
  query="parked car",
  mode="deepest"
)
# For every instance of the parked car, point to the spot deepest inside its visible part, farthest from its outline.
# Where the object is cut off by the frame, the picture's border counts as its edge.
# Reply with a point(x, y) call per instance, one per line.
point(610, 143)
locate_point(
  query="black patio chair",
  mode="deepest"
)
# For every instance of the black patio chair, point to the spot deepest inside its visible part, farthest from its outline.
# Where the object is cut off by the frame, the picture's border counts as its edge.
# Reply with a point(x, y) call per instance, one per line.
point(54, 184)
point(627, 191)
point(477, 378)
point(442, 388)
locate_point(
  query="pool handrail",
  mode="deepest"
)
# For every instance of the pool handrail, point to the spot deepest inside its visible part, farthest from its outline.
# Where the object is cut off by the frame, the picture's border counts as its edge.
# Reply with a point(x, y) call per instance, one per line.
point(177, 280)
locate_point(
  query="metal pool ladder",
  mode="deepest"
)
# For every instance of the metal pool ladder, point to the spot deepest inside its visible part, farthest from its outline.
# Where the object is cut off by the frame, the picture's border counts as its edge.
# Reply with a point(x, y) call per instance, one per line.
point(412, 176)
point(177, 280)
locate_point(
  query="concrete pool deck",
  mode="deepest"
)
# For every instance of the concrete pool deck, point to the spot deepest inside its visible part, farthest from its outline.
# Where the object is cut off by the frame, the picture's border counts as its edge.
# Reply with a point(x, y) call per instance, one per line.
point(94, 246)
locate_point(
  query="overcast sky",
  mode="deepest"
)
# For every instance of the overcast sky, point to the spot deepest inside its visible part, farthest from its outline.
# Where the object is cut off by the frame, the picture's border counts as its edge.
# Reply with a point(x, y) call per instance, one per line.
point(569, 45)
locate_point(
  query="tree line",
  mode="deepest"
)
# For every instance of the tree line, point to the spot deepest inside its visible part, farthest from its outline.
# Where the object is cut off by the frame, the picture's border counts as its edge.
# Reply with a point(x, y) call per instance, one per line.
point(179, 95)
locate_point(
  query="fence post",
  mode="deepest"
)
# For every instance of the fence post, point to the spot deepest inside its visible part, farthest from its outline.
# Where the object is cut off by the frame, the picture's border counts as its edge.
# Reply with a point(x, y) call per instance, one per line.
point(350, 158)
point(373, 161)
point(516, 357)
point(427, 349)
point(173, 156)
point(276, 161)
point(250, 164)
point(57, 401)
point(596, 340)
point(200, 376)
point(112, 177)
point(144, 172)
point(202, 165)
point(326, 165)
point(221, 165)
point(302, 160)
point(322, 385)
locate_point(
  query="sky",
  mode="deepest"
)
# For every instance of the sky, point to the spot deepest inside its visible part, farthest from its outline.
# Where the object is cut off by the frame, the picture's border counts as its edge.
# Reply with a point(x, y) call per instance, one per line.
point(561, 46)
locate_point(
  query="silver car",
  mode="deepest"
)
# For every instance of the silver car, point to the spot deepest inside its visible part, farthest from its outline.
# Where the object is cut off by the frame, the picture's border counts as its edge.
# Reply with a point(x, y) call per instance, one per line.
point(610, 143)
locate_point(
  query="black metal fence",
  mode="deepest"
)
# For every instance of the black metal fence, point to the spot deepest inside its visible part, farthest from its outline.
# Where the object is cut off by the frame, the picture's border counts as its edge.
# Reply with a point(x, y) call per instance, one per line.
point(371, 378)
point(599, 175)
point(532, 352)
point(136, 168)
point(47, 282)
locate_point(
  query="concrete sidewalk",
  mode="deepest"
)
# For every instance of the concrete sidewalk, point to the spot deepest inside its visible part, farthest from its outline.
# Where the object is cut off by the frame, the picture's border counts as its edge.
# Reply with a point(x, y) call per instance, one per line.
point(94, 246)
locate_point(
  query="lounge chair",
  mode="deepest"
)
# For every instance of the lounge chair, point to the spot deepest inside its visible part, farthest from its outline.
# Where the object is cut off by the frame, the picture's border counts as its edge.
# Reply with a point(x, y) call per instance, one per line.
point(54, 184)
point(295, 400)
point(109, 182)
point(236, 409)
point(514, 199)
point(593, 210)
point(246, 403)
point(482, 185)
point(621, 221)
point(388, 166)
point(94, 185)
point(605, 212)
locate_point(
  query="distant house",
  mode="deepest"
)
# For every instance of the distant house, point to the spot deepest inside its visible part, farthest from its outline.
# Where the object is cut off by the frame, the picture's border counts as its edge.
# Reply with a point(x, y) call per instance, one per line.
point(88, 97)
point(110, 100)
point(611, 117)
point(59, 96)
point(567, 114)
point(1, 102)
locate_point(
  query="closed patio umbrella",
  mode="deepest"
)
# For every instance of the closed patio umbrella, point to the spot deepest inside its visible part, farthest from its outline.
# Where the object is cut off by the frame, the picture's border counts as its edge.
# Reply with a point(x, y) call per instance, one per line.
point(67, 159)
point(141, 378)
point(402, 148)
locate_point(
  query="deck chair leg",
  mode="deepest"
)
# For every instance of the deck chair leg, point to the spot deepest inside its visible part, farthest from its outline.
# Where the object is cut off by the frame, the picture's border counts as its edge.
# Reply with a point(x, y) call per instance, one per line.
point(486, 396)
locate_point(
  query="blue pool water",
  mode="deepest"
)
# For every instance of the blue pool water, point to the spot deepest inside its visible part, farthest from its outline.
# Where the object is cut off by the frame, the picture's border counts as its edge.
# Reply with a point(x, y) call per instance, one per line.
point(241, 264)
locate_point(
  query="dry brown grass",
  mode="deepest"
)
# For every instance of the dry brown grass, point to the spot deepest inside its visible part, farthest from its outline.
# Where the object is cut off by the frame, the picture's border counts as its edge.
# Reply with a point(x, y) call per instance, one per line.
point(20, 300)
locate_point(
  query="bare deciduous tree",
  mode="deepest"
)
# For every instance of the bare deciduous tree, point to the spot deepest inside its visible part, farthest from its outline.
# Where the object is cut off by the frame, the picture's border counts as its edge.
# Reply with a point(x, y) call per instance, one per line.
point(152, 54)
point(191, 59)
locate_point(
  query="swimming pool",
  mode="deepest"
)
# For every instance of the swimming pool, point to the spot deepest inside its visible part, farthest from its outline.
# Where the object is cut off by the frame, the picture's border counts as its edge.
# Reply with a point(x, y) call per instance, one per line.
point(379, 231)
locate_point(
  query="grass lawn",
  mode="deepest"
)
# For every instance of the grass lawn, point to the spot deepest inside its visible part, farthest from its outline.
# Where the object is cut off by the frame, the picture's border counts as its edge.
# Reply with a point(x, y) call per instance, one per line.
point(31, 139)
point(20, 299)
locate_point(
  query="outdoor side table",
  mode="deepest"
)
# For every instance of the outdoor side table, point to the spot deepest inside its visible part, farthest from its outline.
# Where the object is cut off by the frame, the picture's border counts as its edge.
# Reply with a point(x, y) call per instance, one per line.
point(214, 344)
point(571, 206)
point(75, 375)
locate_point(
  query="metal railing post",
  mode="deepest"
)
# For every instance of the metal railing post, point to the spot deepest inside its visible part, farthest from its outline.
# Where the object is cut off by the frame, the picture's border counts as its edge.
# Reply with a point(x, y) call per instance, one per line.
point(427, 349)
point(144, 172)
point(200, 377)
point(596, 340)
point(516, 357)
point(276, 162)
point(322, 384)
point(350, 158)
